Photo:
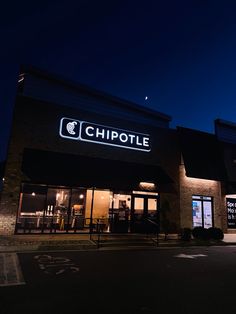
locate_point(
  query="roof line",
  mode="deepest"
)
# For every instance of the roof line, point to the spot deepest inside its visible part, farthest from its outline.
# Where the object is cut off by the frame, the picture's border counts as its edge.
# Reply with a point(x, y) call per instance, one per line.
point(95, 92)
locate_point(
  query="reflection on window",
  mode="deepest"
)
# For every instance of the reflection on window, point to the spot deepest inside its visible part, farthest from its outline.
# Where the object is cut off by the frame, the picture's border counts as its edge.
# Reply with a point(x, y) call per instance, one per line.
point(32, 200)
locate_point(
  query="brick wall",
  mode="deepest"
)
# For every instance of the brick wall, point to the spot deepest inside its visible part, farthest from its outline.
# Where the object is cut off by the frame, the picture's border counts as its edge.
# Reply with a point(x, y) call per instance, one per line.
point(36, 125)
point(193, 186)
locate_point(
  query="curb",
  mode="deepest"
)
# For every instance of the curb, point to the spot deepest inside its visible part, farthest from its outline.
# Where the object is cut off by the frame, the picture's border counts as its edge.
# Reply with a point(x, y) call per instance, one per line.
point(93, 246)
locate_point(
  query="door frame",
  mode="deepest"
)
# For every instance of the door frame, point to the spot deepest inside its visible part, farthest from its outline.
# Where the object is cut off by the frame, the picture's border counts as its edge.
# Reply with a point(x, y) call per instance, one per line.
point(145, 198)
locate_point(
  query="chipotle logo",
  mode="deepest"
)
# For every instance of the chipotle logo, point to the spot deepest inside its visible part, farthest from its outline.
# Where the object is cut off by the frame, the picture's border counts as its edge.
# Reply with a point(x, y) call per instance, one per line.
point(101, 134)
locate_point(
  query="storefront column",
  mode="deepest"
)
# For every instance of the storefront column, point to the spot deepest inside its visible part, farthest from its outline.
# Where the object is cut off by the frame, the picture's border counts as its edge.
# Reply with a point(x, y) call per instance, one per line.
point(91, 213)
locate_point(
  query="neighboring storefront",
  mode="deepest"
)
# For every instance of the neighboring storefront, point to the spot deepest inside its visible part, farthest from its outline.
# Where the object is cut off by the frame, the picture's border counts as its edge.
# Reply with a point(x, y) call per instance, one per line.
point(79, 160)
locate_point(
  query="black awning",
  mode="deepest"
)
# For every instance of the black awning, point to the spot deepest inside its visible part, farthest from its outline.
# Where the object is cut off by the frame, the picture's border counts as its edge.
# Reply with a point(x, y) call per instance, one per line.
point(54, 168)
point(230, 188)
point(202, 155)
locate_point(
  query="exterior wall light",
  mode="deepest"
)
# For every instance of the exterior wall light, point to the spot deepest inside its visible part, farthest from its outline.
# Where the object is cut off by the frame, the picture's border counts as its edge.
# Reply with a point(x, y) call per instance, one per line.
point(147, 186)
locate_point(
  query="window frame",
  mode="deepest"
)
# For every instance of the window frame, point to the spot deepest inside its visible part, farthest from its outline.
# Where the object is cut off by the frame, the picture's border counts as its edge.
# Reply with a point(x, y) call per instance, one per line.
point(202, 199)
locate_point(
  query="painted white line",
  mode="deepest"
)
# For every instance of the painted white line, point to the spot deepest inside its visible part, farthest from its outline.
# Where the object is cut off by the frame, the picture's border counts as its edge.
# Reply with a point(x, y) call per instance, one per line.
point(191, 256)
point(10, 270)
point(55, 265)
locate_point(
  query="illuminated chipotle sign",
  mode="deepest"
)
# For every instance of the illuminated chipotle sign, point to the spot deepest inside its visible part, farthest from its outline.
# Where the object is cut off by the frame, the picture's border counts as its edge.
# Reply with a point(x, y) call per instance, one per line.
point(101, 134)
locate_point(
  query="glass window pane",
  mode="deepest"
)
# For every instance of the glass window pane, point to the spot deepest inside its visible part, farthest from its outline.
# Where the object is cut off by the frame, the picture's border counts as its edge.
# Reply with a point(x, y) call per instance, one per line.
point(197, 213)
point(31, 207)
point(138, 203)
point(207, 198)
point(152, 204)
point(197, 197)
point(77, 203)
point(207, 211)
point(121, 201)
point(101, 205)
point(57, 200)
point(231, 212)
point(78, 199)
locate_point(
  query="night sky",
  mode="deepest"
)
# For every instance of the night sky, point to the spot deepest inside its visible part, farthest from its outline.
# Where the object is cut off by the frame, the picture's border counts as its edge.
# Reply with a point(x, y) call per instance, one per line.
point(181, 54)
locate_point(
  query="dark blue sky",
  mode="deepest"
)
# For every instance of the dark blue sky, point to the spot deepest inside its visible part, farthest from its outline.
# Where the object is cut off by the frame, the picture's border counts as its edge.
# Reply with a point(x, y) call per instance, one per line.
point(181, 54)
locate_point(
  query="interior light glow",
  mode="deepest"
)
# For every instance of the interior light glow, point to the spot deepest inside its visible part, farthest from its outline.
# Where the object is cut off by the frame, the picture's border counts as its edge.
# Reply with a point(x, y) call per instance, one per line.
point(33, 194)
point(147, 185)
point(81, 196)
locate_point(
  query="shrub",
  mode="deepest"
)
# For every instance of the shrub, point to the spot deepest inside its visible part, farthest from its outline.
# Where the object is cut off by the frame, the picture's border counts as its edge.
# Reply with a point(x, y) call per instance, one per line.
point(216, 233)
point(200, 233)
point(185, 234)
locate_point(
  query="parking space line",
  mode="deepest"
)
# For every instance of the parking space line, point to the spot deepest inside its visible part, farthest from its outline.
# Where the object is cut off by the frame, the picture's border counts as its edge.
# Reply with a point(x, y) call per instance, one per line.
point(10, 270)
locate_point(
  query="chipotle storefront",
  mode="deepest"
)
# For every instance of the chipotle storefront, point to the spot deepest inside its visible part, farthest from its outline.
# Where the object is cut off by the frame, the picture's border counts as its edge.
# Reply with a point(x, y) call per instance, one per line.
point(78, 157)
point(121, 196)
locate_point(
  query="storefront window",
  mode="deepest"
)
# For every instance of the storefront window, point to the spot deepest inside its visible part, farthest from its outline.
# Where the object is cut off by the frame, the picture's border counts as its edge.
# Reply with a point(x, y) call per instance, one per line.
point(78, 201)
point(97, 207)
point(231, 211)
point(31, 207)
point(51, 209)
point(47, 209)
point(57, 211)
point(202, 211)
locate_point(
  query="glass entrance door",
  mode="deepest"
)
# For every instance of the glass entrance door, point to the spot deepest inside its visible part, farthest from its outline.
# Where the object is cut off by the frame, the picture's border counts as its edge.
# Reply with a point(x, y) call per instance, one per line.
point(120, 213)
point(143, 211)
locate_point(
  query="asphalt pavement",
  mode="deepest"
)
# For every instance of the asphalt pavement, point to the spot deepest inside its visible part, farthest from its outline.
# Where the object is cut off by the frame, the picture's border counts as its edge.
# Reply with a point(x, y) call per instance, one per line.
point(180, 280)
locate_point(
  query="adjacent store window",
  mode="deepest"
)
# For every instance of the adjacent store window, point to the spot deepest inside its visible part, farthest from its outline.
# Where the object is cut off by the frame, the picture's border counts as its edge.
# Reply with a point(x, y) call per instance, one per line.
point(202, 211)
point(231, 212)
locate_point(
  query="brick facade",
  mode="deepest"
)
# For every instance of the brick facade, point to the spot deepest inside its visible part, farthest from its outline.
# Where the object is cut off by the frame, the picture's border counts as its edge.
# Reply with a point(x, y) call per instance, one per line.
point(37, 114)
point(195, 186)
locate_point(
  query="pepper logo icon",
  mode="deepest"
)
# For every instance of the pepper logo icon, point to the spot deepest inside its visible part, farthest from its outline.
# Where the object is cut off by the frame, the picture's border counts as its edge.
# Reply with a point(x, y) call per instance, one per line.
point(70, 127)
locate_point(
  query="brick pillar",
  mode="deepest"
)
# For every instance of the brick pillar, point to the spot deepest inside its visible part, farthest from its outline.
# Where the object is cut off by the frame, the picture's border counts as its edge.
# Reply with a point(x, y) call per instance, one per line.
point(10, 195)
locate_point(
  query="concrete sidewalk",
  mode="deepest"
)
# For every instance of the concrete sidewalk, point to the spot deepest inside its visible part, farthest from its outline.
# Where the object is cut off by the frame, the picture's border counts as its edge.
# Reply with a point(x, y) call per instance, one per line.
point(50, 242)
point(33, 242)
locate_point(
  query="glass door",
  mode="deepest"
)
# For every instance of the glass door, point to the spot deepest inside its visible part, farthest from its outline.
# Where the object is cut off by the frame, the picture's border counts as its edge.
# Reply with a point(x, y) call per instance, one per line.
point(120, 213)
point(143, 211)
